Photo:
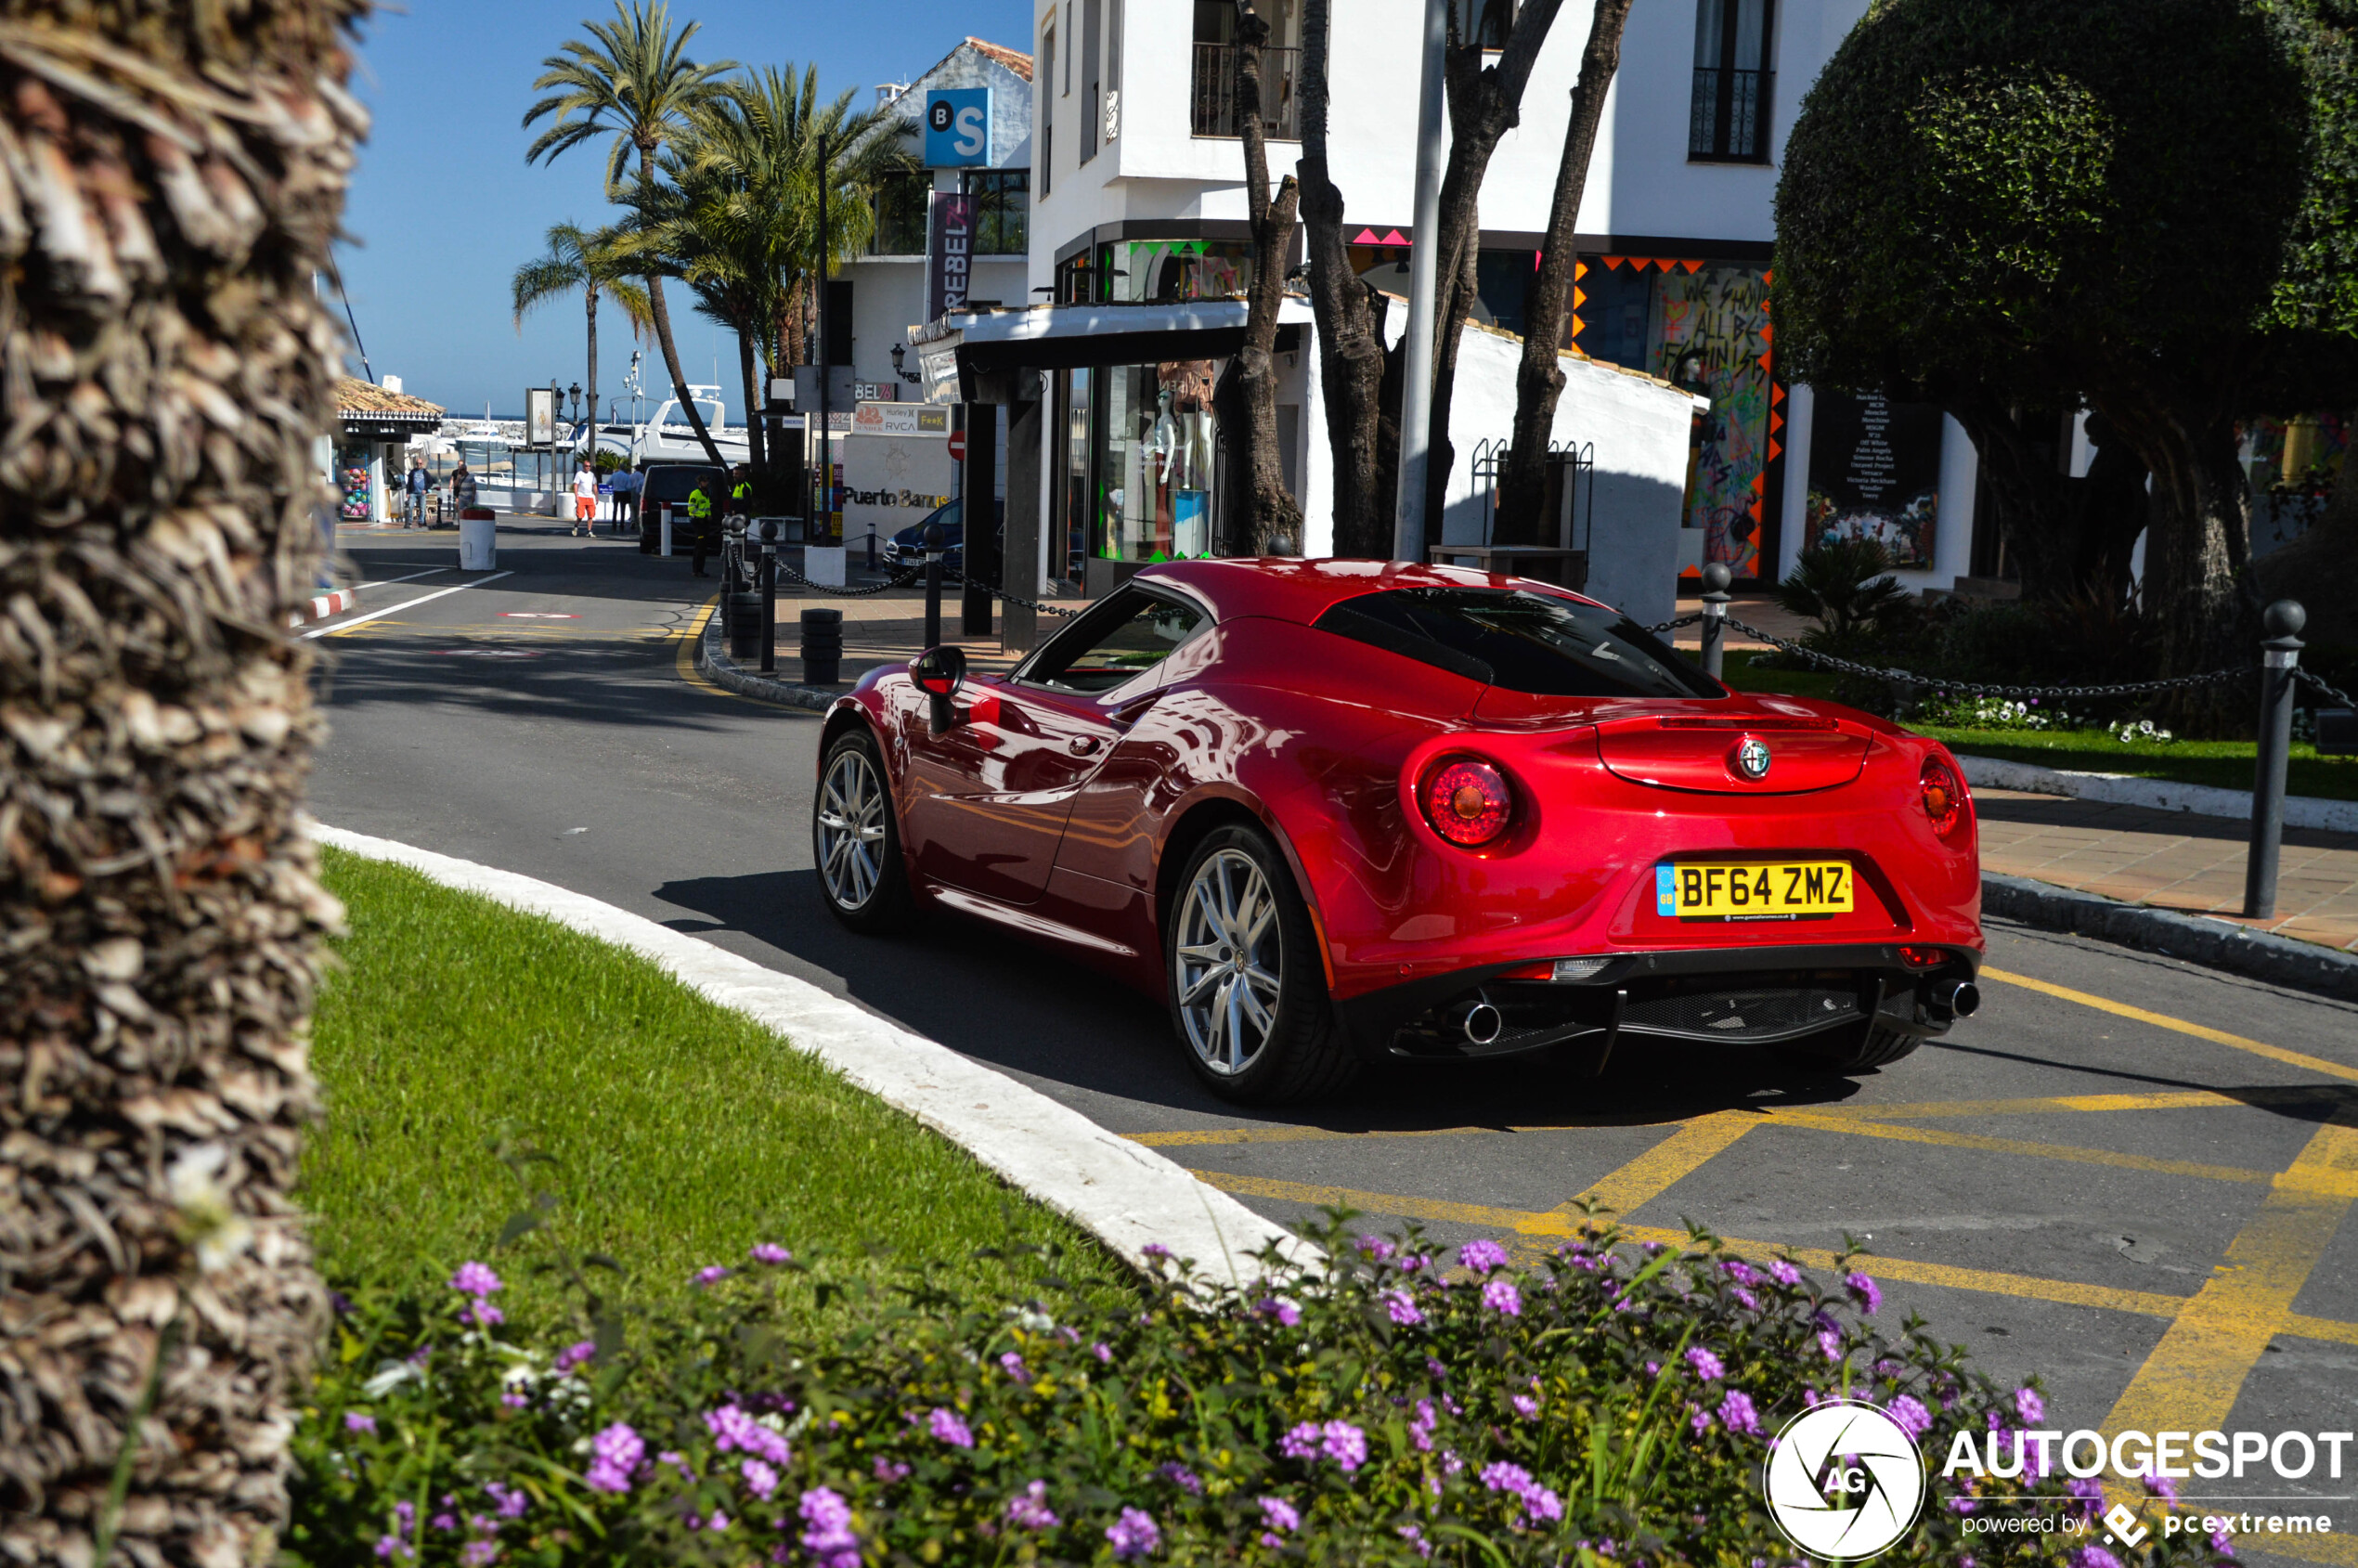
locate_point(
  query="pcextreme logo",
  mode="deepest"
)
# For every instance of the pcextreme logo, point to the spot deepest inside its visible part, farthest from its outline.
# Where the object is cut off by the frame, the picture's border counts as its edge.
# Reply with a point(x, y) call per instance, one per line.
point(1844, 1481)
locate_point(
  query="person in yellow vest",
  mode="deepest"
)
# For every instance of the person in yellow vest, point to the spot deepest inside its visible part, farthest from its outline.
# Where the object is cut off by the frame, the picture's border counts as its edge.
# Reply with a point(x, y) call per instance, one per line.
point(741, 491)
point(700, 521)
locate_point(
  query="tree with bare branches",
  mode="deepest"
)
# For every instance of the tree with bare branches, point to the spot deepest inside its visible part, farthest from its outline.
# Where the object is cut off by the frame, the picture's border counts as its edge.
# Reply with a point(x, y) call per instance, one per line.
point(1539, 379)
point(1271, 516)
point(172, 173)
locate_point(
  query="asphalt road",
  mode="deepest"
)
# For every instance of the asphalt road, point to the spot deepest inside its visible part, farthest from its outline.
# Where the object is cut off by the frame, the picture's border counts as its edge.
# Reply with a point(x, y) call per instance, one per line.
point(2128, 1175)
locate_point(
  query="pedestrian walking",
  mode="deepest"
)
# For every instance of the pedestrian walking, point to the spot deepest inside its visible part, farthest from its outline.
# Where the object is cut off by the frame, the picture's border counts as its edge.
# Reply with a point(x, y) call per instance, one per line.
point(700, 521)
point(585, 497)
point(417, 483)
point(625, 483)
point(462, 487)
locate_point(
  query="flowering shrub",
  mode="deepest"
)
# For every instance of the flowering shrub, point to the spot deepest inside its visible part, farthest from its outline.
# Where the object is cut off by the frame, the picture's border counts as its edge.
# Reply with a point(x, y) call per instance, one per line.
point(1603, 1405)
point(1965, 711)
point(2141, 732)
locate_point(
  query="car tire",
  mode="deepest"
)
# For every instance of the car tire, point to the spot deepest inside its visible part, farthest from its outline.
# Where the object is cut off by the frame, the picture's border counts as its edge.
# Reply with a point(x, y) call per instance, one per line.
point(1842, 1053)
point(855, 840)
point(1239, 942)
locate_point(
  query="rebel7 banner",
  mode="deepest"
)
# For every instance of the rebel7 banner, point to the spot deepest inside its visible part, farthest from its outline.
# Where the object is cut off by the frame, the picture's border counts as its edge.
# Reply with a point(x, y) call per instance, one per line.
point(949, 253)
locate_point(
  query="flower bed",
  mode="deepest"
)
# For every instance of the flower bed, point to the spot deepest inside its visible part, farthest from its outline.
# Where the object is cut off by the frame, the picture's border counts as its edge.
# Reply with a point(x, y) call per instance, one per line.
point(1602, 1405)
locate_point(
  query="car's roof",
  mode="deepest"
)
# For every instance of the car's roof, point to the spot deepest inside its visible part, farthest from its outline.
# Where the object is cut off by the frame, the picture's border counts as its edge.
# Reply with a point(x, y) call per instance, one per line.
point(1287, 588)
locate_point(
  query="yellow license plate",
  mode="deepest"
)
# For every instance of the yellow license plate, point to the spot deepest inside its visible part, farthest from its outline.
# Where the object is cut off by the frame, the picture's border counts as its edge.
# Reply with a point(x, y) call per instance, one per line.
point(1781, 889)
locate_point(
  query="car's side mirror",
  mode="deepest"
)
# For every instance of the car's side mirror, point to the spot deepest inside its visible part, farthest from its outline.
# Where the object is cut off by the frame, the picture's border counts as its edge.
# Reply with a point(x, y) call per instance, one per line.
point(938, 672)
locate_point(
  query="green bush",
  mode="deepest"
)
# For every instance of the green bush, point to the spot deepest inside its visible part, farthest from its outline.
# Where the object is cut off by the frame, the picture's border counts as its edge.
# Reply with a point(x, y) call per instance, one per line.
point(1605, 1405)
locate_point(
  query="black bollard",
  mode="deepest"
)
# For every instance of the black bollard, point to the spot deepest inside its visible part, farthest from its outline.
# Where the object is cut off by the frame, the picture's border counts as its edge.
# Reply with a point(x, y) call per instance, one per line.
point(933, 585)
point(2280, 658)
point(1715, 600)
point(821, 647)
point(768, 607)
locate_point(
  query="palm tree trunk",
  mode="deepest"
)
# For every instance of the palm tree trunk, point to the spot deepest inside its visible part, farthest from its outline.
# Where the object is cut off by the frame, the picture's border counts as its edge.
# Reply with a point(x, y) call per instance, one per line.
point(591, 380)
point(662, 313)
point(168, 369)
point(757, 441)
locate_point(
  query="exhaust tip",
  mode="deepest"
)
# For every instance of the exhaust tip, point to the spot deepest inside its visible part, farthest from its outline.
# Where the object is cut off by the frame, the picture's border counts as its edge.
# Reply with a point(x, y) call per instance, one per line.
point(1961, 997)
point(1482, 1024)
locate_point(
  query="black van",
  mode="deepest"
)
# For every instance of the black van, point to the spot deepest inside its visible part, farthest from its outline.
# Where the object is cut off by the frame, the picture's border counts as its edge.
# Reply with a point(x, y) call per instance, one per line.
point(669, 484)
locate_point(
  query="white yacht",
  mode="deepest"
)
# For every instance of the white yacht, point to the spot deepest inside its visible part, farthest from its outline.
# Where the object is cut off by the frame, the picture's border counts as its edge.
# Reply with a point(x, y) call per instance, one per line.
point(669, 438)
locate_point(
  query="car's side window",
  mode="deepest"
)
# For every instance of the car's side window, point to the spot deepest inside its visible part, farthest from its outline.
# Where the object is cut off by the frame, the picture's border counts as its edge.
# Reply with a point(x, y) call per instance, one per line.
point(1114, 644)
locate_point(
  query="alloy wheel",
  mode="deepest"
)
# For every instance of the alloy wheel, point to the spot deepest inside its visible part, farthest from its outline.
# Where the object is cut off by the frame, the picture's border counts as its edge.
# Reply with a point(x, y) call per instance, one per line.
point(852, 829)
point(1230, 962)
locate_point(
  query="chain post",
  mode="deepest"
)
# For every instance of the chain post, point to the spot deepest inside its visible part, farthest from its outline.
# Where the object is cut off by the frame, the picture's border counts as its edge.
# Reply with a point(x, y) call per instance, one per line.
point(933, 585)
point(2278, 676)
point(768, 599)
point(1715, 600)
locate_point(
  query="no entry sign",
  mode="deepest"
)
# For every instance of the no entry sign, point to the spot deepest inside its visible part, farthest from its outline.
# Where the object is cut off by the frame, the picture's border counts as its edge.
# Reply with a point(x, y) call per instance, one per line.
point(957, 446)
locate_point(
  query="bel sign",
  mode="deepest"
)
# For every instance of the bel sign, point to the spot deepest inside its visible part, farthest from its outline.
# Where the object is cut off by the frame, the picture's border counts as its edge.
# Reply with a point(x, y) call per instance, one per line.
point(957, 127)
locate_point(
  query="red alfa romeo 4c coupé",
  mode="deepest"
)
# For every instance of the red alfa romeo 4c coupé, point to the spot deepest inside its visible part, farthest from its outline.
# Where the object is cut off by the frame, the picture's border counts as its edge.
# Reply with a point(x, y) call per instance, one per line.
point(1337, 812)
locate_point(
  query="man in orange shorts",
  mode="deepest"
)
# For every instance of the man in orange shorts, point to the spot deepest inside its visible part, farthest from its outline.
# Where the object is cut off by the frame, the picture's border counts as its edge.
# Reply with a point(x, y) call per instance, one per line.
point(585, 498)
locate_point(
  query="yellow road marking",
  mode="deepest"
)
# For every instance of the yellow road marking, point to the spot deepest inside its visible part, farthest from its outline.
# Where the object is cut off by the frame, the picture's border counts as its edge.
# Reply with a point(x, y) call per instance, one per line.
point(1867, 1128)
point(2336, 1550)
point(2163, 1021)
point(2194, 1375)
point(2182, 1099)
point(1204, 1136)
point(1517, 1222)
point(1667, 1164)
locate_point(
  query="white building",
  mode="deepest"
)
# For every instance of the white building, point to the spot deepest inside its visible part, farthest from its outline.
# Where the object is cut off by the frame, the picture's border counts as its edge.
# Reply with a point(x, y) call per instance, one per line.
point(1137, 197)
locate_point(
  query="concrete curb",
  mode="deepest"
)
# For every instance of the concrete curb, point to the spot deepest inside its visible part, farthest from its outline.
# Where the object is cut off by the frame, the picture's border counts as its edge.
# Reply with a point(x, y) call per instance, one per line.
point(2121, 789)
point(717, 666)
point(2215, 944)
point(320, 606)
point(1125, 1195)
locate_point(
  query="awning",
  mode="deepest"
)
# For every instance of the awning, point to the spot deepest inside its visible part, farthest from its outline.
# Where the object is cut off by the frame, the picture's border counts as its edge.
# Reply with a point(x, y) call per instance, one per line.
point(964, 346)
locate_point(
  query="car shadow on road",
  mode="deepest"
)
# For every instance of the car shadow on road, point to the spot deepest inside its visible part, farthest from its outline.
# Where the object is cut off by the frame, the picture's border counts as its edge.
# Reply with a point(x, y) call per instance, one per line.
point(1030, 1011)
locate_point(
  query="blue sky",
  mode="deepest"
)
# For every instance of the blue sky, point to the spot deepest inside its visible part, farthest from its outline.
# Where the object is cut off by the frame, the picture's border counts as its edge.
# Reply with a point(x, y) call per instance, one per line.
point(443, 209)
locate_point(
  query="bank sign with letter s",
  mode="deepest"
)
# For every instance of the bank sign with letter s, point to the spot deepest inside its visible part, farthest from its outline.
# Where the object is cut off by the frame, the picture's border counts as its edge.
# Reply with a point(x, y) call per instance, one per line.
point(957, 127)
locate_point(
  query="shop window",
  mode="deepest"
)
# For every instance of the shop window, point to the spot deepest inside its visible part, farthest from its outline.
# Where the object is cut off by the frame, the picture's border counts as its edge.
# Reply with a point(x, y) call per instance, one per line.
point(1729, 120)
point(1002, 211)
point(1093, 27)
point(1047, 109)
point(1166, 271)
point(1140, 445)
point(1212, 85)
point(901, 200)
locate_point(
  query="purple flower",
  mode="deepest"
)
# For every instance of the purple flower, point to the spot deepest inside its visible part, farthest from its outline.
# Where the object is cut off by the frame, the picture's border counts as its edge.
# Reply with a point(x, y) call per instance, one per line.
point(732, 1428)
point(1420, 1429)
point(509, 1501)
point(1736, 1414)
point(1525, 1406)
point(1404, 1311)
point(616, 1453)
point(1830, 1342)
point(1376, 1247)
point(888, 1471)
point(355, 1420)
point(1013, 1366)
point(2028, 1404)
point(574, 1356)
point(1482, 1256)
point(2090, 1493)
point(1279, 1514)
point(829, 1538)
point(1739, 1271)
point(474, 1280)
point(2162, 1486)
point(718, 1521)
point(1699, 1419)
point(444, 1521)
point(1134, 1535)
point(1749, 1301)
point(1865, 1291)
point(1284, 1312)
point(1909, 1414)
point(1505, 1477)
point(482, 1313)
point(1500, 1295)
point(1415, 1538)
point(515, 1401)
point(1707, 1366)
point(1102, 1351)
point(2094, 1557)
point(770, 1252)
point(711, 1274)
point(479, 1554)
point(1301, 1442)
point(1155, 1251)
point(760, 1480)
point(1785, 1273)
point(1179, 1475)
point(947, 1426)
point(1346, 1444)
point(2223, 1543)
point(1027, 1509)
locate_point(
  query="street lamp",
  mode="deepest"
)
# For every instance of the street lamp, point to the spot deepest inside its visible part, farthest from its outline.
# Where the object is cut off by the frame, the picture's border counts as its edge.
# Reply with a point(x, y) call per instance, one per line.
point(574, 392)
point(900, 355)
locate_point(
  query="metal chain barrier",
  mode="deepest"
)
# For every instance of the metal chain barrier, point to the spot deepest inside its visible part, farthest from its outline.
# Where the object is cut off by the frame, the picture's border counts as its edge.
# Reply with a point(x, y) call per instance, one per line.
point(787, 574)
point(1990, 689)
point(1660, 627)
point(963, 582)
point(2335, 692)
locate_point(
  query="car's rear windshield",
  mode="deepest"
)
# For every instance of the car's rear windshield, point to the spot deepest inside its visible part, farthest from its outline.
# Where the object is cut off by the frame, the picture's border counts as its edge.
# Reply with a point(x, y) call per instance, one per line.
point(669, 482)
point(1521, 641)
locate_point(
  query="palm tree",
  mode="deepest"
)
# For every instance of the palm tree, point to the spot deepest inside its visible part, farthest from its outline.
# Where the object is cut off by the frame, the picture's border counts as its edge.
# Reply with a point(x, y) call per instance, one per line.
point(593, 262)
point(630, 80)
point(169, 367)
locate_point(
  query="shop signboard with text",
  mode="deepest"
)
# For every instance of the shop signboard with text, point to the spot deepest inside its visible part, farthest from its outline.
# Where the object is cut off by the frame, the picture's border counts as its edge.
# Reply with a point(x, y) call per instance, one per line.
point(896, 467)
point(957, 127)
point(949, 253)
point(1874, 474)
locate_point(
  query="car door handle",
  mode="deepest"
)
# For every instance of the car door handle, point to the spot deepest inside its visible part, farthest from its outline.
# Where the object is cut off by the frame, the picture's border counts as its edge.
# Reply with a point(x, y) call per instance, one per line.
point(1081, 745)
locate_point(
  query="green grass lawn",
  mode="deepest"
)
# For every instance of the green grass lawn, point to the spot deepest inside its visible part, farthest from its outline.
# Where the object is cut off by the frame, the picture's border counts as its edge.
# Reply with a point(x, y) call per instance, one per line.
point(2225, 764)
point(675, 1133)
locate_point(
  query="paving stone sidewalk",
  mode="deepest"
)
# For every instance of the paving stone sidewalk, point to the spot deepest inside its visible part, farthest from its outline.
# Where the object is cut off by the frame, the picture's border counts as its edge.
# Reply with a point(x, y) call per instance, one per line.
point(2172, 860)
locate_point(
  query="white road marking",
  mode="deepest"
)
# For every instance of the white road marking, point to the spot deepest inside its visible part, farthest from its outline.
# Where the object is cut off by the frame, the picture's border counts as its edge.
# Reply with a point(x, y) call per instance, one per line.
point(412, 604)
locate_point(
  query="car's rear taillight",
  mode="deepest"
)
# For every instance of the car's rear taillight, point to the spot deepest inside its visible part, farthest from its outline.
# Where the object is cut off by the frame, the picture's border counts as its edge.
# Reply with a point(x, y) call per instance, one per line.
point(1944, 796)
point(1467, 800)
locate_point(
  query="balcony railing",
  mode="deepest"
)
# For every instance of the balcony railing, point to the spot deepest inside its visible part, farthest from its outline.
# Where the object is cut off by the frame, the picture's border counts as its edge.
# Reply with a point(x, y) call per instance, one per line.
point(1731, 116)
point(1212, 95)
